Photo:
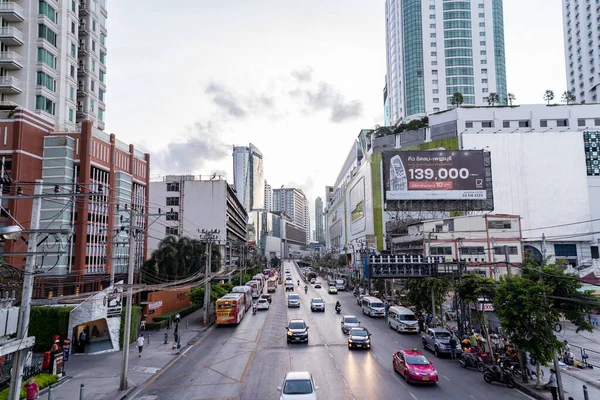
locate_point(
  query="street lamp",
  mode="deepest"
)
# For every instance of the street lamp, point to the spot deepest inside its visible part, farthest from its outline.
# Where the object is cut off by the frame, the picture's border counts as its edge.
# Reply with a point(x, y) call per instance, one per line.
point(11, 232)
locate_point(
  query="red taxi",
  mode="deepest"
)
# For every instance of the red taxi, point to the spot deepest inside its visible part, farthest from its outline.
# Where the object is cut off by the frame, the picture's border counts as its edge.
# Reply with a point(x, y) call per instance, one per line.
point(414, 367)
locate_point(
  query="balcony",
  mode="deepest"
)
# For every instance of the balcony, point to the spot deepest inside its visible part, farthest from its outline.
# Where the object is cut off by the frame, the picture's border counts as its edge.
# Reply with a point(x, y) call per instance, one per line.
point(83, 8)
point(83, 29)
point(10, 85)
point(10, 60)
point(83, 50)
point(11, 36)
point(82, 111)
point(12, 12)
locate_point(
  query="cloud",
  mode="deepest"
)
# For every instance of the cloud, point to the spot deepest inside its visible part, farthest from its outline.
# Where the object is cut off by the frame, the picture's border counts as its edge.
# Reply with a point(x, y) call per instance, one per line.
point(202, 145)
point(326, 97)
point(303, 75)
point(226, 100)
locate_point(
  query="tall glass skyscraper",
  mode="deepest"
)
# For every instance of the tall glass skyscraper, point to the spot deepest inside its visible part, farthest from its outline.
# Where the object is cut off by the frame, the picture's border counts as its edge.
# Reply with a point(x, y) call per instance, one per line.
point(436, 48)
point(249, 177)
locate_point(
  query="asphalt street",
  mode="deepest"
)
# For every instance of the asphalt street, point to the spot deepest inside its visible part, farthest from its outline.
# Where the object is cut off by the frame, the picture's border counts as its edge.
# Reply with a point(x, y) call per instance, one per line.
point(249, 361)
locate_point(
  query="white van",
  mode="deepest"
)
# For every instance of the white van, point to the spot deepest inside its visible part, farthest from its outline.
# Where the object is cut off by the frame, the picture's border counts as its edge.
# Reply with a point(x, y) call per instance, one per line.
point(402, 320)
point(373, 307)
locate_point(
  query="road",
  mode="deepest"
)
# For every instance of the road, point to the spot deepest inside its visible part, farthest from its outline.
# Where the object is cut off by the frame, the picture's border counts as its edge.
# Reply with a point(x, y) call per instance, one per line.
point(249, 361)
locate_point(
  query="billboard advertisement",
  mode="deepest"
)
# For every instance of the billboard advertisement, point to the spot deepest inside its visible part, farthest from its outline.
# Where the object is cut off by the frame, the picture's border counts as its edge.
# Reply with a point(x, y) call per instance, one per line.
point(434, 175)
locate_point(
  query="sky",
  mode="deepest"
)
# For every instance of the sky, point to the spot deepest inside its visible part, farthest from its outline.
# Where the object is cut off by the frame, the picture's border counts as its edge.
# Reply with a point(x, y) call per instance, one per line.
point(298, 79)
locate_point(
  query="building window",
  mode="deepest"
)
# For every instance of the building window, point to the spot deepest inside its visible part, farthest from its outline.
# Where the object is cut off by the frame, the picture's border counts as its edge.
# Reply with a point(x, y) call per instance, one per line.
point(524, 124)
point(47, 10)
point(482, 43)
point(595, 253)
point(46, 80)
point(469, 124)
point(102, 39)
point(544, 123)
point(46, 57)
point(499, 224)
point(473, 250)
point(434, 54)
point(173, 187)
point(101, 95)
point(481, 15)
point(70, 115)
point(487, 124)
point(93, 65)
point(591, 141)
point(440, 251)
point(436, 100)
point(435, 91)
point(100, 114)
point(73, 6)
point(482, 33)
point(93, 25)
point(435, 81)
point(92, 85)
point(93, 45)
point(103, 57)
point(72, 73)
point(172, 216)
point(506, 124)
point(101, 76)
point(581, 122)
point(46, 33)
point(562, 122)
point(171, 231)
point(484, 80)
point(565, 250)
point(172, 201)
point(72, 92)
point(483, 61)
point(484, 90)
point(44, 104)
point(483, 52)
point(72, 27)
point(73, 50)
point(436, 109)
point(596, 121)
point(512, 250)
point(484, 71)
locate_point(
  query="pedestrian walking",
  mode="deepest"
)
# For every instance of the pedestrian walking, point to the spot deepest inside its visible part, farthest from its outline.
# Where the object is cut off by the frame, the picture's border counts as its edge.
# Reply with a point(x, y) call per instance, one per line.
point(553, 384)
point(453, 342)
point(140, 344)
point(32, 390)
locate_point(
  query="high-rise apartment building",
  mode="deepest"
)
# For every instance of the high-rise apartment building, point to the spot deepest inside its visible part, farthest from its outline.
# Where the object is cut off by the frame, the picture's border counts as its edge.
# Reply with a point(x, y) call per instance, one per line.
point(319, 234)
point(439, 47)
point(248, 176)
point(295, 204)
point(582, 46)
point(268, 197)
point(53, 59)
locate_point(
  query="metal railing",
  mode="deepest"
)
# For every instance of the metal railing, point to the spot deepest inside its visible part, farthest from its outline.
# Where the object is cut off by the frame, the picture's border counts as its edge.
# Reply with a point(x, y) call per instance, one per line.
point(12, 6)
point(11, 31)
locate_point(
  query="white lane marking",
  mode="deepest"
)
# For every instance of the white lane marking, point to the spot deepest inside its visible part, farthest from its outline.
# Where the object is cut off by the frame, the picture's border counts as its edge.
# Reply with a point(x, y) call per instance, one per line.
point(331, 355)
point(395, 341)
point(526, 395)
point(400, 382)
point(473, 397)
point(445, 377)
point(375, 356)
point(413, 396)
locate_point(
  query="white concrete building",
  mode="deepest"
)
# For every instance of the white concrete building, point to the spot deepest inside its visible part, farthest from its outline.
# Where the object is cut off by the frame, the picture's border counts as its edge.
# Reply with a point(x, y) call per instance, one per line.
point(268, 197)
point(319, 234)
point(295, 204)
point(248, 176)
point(436, 48)
point(545, 166)
point(582, 45)
point(53, 59)
point(192, 203)
point(478, 240)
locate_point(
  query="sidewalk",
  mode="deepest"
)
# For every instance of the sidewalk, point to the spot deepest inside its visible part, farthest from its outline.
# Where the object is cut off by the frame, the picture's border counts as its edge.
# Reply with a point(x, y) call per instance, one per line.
point(101, 373)
point(572, 386)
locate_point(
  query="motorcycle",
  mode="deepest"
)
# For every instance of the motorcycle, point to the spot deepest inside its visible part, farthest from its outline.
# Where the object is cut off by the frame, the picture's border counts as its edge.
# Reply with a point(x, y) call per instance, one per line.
point(470, 360)
point(338, 309)
point(253, 309)
point(496, 374)
point(305, 289)
point(510, 367)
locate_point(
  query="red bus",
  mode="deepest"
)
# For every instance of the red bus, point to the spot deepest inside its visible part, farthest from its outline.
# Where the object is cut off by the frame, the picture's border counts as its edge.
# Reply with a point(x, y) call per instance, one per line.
point(230, 309)
point(247, 290)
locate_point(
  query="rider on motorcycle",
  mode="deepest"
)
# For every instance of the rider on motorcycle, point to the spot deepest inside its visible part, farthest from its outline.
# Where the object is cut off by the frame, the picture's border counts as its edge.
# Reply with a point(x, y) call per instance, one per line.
point(338, 306)
point(305, 288)
point(298, 282)
point(253, 307)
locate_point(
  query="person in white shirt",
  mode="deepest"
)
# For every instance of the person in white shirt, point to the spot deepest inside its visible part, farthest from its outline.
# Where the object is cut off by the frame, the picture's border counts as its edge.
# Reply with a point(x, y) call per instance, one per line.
point(553, 384)
point(140, 344)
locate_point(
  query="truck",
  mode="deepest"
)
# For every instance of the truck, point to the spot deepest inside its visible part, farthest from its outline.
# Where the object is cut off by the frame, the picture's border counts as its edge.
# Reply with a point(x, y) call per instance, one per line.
point(340, 284)
point(272, 285)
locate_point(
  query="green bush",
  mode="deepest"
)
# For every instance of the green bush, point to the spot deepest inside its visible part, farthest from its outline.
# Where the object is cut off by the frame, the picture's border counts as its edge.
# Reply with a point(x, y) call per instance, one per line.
point(182, 313)
point(43, 381)
point(45, 322)
point(135, 314)
point(156, 325)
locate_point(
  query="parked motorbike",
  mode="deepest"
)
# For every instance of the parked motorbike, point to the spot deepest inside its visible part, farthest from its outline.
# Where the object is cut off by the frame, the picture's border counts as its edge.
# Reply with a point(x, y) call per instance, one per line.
point(496, 374)
point(511, 367)
point(471, 360)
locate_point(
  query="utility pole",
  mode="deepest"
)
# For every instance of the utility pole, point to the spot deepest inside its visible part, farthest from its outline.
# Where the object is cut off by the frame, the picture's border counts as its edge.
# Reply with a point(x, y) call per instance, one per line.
point(28, 281)
point(506, 260)
point(128, 304)
point(433, 306)
point(209, 235)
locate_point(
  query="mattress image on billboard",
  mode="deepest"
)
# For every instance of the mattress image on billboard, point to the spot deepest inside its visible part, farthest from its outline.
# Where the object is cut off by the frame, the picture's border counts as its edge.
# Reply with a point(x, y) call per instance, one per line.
point(434, 175)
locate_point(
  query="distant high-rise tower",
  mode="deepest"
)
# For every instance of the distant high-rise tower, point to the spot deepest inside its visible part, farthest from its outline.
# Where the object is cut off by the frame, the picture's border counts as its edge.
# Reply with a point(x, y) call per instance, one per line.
point(437, 48)
point(268, 196)
point(582, 42)
point(248, 176)
point(320, 237)
point(53, 59)
point(295, 204)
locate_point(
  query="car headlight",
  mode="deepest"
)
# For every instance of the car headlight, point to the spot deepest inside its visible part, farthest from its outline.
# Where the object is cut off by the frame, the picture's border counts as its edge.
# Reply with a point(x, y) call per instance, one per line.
point(350, 341)
point(290, 333)
point(434, 372)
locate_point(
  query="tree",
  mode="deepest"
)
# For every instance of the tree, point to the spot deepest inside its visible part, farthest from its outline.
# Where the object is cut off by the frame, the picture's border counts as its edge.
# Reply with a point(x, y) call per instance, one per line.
point(419, 292)
point(511, 98)
point(493, 99)
point(457, 99)
point(568, 97)
point(275, 262)
point(548, 96)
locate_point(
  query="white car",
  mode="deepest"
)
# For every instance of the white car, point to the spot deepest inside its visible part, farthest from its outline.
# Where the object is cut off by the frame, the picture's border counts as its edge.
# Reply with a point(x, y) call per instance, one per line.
point(298, 386)
point(263, 304)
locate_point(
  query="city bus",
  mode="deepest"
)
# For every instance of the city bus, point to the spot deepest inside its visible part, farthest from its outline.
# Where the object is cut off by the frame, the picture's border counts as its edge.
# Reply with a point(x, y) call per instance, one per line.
point(247, 291)
point(230, 309)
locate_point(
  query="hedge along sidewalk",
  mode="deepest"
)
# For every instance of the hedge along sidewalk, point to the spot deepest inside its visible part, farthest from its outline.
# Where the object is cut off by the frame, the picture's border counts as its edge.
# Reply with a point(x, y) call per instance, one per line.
point(162, 321)
point(101, 373)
